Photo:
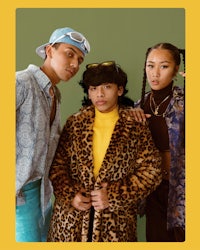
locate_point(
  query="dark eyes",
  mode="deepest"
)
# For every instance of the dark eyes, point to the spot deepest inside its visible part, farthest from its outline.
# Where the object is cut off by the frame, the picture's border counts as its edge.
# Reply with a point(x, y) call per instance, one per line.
point(70, 54)
point(92, 88)
point(164, 66)
point(105, 86)
point(151, 66)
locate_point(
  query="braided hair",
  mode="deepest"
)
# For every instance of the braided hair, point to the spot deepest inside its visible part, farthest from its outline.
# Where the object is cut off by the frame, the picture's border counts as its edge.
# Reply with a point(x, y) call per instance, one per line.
point(175, 52)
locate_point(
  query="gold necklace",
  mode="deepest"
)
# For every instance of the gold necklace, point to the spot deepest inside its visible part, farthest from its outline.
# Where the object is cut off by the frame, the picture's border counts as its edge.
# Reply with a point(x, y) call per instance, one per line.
point(156, 107)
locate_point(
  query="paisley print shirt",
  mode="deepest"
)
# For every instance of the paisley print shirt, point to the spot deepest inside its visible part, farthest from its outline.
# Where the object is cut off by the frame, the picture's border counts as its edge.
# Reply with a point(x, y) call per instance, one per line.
point(36, 140)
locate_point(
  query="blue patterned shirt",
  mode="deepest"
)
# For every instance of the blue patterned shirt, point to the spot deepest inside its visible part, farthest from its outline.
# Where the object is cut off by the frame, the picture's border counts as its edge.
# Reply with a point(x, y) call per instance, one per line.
point(36, 140)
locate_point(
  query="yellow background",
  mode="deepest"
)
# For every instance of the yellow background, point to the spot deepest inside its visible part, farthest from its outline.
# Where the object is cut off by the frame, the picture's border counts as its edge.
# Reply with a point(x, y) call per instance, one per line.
point(7, 122)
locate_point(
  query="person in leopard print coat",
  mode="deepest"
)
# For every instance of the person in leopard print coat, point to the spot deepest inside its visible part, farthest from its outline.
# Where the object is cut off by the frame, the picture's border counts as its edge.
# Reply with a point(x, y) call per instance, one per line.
point(100, 204)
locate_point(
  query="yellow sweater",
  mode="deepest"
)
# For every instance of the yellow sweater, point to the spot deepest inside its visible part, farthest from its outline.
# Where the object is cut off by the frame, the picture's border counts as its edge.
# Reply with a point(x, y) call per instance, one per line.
point(104, 124)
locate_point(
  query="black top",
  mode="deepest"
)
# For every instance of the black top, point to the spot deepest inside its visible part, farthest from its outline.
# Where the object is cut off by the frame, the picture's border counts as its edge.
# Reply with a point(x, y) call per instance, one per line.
point(157, 124)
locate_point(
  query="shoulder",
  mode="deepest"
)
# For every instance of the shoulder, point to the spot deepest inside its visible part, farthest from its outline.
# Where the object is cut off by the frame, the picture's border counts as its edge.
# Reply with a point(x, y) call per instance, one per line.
point(85, 114)
point(178, 91)
point(137, 103)
point(127, 118)
point(25, 77)
point(178, 96)
point(26, 73)
point(24, 80)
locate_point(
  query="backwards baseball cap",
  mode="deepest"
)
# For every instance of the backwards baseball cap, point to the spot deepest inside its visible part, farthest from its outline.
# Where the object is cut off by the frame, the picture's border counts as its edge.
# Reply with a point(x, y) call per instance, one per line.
point(65, 35)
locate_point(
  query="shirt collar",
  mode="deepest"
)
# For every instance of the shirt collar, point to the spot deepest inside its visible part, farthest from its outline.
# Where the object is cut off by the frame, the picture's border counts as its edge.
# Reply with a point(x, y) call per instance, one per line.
point(41, 77)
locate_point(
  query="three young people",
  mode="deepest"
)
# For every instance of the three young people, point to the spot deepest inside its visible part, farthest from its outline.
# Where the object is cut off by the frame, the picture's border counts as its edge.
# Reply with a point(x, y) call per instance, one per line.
point(100, 171)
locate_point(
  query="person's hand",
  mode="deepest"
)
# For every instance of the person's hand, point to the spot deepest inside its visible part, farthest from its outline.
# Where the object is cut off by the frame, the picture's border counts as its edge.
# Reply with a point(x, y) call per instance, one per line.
point(182, 73)
point(139, 115)
point(100, 198)
point(80, 202)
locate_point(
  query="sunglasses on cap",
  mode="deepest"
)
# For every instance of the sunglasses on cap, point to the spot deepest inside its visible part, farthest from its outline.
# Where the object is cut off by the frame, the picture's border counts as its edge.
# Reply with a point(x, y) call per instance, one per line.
point(75, 36)
point(103, 64)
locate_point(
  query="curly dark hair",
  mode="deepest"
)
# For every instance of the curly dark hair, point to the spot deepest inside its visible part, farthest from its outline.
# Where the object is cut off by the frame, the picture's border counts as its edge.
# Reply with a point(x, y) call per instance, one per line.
point(106, 72)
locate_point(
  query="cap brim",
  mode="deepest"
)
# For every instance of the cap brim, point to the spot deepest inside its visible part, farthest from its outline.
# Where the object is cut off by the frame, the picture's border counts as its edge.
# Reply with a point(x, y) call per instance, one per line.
point(41, 50)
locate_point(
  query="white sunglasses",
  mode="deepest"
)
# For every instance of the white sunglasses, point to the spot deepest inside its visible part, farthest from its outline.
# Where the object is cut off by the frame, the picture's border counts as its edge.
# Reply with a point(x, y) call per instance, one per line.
point(75, 36)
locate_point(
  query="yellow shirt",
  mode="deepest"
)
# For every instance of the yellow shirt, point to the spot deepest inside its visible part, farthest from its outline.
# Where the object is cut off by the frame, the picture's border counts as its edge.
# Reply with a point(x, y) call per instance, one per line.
point(104, 124)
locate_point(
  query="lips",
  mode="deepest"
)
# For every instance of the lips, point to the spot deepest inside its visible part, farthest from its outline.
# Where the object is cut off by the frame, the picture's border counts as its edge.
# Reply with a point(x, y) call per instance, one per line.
point(99, 103)
point(155, 82)
point(71, 71)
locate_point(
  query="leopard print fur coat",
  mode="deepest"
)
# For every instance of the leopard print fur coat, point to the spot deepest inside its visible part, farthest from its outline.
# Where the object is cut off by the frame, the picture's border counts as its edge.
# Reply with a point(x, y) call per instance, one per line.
point(131, 168)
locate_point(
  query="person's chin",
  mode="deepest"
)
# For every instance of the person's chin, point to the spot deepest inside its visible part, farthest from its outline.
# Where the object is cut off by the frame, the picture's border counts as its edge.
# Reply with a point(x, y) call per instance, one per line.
point(67, 77)
point(155, 87)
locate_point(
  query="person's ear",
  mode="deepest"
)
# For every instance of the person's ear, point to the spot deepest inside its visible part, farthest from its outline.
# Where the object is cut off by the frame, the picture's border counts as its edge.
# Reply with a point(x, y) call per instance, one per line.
point(48, 50)
point(120, 90)
point(176, 70)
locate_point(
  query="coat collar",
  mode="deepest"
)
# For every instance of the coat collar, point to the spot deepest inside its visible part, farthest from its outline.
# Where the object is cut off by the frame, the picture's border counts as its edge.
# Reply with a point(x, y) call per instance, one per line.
point(118, 140)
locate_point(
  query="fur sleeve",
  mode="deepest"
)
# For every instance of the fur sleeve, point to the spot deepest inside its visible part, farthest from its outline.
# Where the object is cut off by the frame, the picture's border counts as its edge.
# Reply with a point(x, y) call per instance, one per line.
point(144, 175)
point(63, 186)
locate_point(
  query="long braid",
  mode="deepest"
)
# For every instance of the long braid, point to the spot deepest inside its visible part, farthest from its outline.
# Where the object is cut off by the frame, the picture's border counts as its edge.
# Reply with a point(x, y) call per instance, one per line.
point(143, 89)
point(144, 81)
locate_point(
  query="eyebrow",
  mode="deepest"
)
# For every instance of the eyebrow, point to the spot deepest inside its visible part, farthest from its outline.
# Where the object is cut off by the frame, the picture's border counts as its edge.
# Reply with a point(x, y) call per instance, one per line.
point(81, 57)
point(160, 62)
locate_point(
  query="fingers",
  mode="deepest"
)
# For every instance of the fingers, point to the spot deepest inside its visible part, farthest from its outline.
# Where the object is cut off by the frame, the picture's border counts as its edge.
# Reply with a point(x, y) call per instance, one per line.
point(99, 198)
point(138, 115)
point(104, 185)
point(80, 202)
point(182, 73)
point(100, 205)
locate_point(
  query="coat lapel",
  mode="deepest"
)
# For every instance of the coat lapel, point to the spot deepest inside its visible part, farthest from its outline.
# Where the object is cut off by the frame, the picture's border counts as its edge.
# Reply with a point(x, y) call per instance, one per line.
point(118, 140)
point(85, 141)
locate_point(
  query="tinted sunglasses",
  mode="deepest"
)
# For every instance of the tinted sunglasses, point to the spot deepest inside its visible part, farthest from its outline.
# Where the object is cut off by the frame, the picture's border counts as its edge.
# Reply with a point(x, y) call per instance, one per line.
point(104, 64)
